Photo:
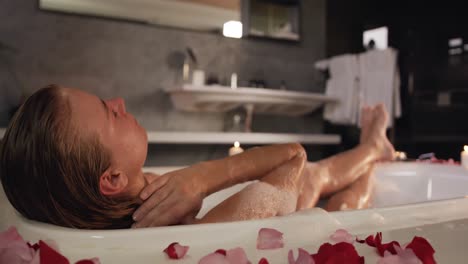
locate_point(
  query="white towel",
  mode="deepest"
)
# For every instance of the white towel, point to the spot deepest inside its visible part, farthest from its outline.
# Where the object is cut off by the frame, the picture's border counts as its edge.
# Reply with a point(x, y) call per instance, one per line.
point(343, 86)
point(379, 80)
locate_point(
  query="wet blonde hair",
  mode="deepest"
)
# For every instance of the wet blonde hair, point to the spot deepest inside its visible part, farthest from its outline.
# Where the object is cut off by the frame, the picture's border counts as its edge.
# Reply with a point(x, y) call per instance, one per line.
point(50, 173)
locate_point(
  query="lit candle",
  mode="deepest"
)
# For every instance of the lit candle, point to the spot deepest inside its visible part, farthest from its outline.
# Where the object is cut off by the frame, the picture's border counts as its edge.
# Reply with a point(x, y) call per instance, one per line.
point(464, 157)
point(236, 149)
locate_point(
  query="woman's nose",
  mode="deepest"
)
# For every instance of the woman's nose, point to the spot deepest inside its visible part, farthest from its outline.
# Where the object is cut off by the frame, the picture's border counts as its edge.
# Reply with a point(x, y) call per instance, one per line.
point(118, 104)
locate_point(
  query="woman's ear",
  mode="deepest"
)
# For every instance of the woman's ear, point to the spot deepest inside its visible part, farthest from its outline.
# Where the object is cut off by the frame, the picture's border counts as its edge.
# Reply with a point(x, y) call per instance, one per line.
point(112, 183)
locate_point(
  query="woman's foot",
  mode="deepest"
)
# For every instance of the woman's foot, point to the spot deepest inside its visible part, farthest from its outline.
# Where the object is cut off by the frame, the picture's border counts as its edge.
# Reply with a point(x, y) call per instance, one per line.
point(376, 135)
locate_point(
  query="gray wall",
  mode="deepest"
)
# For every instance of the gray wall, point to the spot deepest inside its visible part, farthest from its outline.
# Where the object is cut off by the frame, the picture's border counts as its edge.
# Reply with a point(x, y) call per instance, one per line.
point(118, 58)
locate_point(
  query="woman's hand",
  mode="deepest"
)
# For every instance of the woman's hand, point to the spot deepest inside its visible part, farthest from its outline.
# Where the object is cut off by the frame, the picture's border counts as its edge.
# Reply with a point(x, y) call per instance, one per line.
point(172, 198)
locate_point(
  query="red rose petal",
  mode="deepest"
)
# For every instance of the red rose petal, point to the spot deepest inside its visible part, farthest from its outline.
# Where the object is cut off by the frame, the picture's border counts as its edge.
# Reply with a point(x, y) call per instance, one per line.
point(89, 261)
point(49, 255)
point(339, 253)
point(390, 247)
point(221, 251)
point(263, 261)
point(269, 238)
point(423, 249)
point(34, 246)
point(303, 257)
point(176, 251)
point(376, 241)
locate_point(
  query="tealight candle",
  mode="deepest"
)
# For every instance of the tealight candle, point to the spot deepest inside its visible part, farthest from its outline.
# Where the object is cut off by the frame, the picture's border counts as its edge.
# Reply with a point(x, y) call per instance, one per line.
point(236, 149)
point(464, 157)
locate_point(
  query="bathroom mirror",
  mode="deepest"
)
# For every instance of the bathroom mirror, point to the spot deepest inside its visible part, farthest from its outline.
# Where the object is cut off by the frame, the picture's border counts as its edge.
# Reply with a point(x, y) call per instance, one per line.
point(277, 19)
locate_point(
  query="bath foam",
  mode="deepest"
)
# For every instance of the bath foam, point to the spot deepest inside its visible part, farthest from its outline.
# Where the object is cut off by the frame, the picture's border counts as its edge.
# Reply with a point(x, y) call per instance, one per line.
point(261, 200)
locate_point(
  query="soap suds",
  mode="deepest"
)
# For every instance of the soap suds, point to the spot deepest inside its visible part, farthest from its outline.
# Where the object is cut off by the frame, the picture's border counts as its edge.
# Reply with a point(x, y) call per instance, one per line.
point(262, 200)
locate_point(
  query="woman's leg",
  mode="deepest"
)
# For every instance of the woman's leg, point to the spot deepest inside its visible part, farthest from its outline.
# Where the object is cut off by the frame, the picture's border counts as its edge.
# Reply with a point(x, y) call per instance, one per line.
point(356, 196)
point(337, 172)
point(296, 184)
point(275, 194)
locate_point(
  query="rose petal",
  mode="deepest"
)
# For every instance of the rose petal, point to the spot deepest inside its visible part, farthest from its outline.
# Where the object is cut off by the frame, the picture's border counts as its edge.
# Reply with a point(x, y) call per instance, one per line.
point(376, 241)
point(291, 257)
point(237, 256)
point(423, 249)
point(89, 261)
point(269, 238)
point(10, 235)
point(341, 235)
point(232, 256)
point(221, 251)
point(213, 258)
point(339, 253)
point(403, 256)
point(49, 255)
point(176, 251)
point(34, 246)
point(390, 247)
point(14, 250)
point(36, 259)
point(263, 261)
point(303, 257)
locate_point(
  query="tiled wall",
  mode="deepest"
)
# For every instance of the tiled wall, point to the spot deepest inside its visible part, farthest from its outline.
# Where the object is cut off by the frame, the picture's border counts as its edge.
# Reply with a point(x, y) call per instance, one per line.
point(134, 61)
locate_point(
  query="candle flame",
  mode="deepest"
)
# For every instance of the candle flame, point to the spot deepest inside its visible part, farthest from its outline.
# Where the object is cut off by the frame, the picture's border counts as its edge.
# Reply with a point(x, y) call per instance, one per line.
point(465, 148)
point(237, 144)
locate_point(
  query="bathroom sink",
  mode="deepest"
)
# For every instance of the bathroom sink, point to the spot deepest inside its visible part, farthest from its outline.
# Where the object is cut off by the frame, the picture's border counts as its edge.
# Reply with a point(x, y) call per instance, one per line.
point(216, 98)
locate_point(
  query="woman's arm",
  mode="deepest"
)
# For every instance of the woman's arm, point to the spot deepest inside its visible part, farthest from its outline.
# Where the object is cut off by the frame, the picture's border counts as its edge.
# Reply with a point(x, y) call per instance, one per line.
point(276, 194)
point(178, 194)
point(252, 164)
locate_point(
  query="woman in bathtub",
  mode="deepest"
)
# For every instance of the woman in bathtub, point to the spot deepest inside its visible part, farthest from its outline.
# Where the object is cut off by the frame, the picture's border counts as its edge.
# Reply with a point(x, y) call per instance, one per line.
point(71, 159)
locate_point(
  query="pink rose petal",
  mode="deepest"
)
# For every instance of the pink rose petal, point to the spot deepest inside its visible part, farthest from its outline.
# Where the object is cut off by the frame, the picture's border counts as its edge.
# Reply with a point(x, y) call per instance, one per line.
point(176, 251)
point(14, 250)
point(181, 251)
point(403, 256)
point(237, 256)
point(10, 235)
point(269, 238)
point(341, 235)
point(302, 258)
point(232, 256)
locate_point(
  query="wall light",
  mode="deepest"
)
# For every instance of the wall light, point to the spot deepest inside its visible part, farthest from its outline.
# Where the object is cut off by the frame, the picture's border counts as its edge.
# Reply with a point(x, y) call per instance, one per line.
point(232, 29)
point(455, 42)
point(378, 35)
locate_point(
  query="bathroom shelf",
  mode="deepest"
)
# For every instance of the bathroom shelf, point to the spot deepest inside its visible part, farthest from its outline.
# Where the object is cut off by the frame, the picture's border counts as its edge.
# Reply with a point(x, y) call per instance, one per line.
point(216, 98)
point(243, 138)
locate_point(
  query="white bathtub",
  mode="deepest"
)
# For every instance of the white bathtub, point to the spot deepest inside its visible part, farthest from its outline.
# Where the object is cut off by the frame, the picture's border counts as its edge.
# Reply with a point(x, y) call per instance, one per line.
point(405, 199)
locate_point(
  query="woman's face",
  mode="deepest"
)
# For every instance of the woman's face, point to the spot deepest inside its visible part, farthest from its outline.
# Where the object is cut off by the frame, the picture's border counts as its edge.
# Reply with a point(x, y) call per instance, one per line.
point(118, 131)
